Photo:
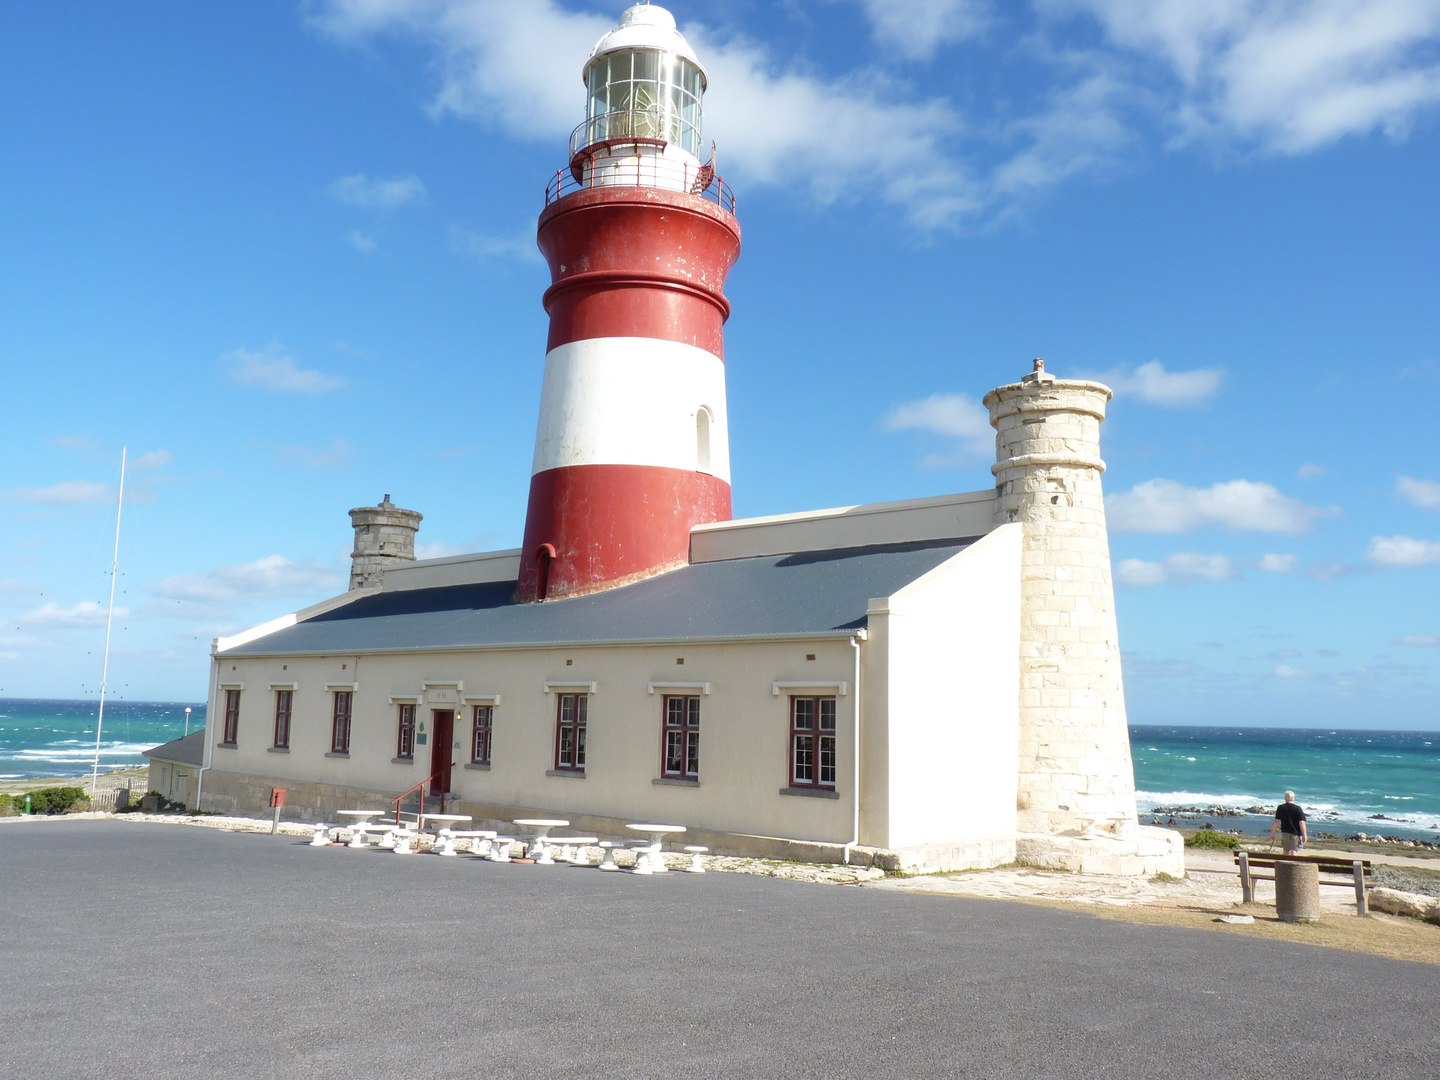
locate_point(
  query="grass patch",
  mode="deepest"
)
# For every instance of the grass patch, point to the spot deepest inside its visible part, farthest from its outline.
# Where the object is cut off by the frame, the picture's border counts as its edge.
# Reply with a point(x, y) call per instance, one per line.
point(1212, 840)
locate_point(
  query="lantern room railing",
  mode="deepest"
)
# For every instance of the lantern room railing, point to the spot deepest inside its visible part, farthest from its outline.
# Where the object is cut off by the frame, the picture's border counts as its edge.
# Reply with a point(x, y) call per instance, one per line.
point(663, 125)
point(641, 170)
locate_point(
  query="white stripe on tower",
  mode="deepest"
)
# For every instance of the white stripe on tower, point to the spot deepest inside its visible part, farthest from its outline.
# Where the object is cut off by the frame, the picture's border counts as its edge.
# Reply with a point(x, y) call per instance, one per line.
point(632, 401)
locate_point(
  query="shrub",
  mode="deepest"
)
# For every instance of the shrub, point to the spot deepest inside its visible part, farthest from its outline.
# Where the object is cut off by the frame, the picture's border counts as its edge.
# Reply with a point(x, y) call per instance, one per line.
point(1212, 839)
point(80, 806)
point(7, 807)
point(52, 800)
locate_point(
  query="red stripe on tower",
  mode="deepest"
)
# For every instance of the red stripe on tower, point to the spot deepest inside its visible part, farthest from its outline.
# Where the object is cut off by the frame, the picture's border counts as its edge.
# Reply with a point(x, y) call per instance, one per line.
point(632, 447)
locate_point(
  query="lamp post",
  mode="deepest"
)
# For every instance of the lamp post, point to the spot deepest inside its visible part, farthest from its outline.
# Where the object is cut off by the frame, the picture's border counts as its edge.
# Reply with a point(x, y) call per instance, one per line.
point(187, 719)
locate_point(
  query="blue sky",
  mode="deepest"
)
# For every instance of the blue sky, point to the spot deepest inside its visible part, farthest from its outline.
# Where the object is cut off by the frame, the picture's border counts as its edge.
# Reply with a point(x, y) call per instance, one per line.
point(285, 253)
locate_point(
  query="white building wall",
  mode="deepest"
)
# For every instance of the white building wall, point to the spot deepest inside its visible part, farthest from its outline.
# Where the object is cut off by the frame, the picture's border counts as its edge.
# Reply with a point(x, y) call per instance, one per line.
point(953, 710)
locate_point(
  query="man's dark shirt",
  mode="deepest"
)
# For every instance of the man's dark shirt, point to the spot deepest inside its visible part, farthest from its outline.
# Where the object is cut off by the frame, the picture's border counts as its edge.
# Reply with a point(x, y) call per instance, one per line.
point(1290, 815)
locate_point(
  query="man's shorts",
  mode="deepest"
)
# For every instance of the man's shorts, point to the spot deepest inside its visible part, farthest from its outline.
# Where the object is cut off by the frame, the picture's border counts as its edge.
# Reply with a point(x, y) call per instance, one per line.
point(1289, 842)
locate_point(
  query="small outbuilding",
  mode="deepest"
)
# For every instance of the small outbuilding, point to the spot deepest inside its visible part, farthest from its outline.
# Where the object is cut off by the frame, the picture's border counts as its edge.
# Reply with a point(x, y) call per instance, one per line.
point(175, 767)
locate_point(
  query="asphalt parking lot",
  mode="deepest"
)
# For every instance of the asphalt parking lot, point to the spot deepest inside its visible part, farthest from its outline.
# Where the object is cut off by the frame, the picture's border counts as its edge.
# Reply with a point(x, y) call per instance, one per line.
point(133, 950)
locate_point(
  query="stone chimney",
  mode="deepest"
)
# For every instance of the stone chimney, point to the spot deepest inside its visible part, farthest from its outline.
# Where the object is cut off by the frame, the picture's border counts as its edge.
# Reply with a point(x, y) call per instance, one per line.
point(384, 537)
point(1075, 767)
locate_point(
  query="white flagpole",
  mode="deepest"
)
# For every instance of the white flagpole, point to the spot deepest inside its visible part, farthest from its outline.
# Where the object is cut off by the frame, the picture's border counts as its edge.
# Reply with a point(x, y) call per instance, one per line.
point(109, 617)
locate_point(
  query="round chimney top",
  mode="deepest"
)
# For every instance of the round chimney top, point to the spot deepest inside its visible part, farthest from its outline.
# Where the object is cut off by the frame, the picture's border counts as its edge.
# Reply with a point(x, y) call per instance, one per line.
point(645, 26)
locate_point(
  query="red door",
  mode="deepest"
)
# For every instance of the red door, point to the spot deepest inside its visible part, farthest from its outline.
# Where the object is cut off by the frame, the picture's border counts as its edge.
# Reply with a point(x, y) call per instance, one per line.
point(442, 734)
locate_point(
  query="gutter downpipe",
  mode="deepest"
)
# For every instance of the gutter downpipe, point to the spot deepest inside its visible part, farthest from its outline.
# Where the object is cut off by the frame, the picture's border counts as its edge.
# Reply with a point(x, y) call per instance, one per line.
point(860, 635)
point(209, 712)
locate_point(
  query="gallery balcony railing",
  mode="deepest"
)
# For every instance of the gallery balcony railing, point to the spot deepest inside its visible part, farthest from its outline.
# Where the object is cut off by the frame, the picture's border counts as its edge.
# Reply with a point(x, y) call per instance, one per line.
point(655, 124)
point(642, 170)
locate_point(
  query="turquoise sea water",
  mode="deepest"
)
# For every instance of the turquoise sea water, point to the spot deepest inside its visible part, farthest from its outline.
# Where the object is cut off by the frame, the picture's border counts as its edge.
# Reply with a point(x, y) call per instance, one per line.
point(1343, 779)
point(57, 738)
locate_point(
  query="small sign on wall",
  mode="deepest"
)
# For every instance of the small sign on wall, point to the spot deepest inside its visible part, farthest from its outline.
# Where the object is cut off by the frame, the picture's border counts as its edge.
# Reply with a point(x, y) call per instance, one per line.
point(442, 696)
point(421, 739)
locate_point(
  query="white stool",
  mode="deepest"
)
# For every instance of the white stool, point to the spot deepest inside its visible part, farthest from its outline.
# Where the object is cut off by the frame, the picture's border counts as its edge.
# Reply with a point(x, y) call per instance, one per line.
point(445, 842)
point(322, 834)
point(500, 849)
point(647, 858)
point(405, 841)
point(695, 866)
point(572, 848)
point(607, 855)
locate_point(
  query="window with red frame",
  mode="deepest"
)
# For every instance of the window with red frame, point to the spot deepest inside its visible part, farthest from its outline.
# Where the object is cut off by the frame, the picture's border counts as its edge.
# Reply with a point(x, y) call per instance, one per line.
point(405, 740)
point(283, 701)
point(340, 725)
point(482, 716)
point(570, 732)
point(812, 742)
point(682, 738)
point(230, 735)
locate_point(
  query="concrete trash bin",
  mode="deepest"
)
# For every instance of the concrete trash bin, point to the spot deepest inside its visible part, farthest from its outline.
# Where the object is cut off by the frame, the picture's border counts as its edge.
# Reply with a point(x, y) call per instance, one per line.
point(1297, 891)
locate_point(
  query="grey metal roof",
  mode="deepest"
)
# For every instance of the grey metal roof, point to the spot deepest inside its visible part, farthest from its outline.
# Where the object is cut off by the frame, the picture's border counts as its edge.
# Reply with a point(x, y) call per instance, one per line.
point(766, 596)
point(188, 750)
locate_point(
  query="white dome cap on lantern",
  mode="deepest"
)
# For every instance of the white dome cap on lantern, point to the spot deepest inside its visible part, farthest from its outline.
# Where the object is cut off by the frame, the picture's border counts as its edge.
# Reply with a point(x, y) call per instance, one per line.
point(645, 26)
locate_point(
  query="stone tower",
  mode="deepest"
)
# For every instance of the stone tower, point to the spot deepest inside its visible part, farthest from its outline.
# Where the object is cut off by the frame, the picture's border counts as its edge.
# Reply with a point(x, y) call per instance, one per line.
point(1076, 775)
point(384, 536)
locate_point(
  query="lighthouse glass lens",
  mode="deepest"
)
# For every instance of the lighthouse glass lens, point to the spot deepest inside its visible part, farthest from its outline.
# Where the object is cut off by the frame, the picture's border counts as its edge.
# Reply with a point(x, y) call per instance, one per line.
point(646, 94)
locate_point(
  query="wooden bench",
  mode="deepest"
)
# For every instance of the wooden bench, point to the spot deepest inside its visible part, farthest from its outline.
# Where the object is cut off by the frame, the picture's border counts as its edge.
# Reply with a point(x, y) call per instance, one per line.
point(1356, 870)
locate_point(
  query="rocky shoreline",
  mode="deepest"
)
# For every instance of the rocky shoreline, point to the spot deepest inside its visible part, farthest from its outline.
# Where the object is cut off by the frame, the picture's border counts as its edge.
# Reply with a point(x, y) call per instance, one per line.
point(1199, 816)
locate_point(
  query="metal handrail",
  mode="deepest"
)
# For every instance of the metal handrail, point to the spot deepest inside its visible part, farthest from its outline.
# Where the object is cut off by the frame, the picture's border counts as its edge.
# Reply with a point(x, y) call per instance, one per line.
point(420, 786)
point(649, 170)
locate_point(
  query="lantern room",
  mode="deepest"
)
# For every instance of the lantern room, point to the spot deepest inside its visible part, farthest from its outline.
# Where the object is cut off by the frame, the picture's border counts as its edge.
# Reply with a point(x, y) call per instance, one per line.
point(644, 89)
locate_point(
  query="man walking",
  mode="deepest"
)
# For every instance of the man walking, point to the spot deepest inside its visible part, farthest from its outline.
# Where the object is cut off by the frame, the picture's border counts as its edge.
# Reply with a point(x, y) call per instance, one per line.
point(1290, 820)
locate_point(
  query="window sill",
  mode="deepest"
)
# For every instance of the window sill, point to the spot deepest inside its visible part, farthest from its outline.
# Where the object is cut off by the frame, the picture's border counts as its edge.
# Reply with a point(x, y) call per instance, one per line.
point(402, 761)
point(277, 750)
point(573, 774)
point(483, 767)
point(675, 781)
point(811, 793)
point(338, 753)
point(228, 745)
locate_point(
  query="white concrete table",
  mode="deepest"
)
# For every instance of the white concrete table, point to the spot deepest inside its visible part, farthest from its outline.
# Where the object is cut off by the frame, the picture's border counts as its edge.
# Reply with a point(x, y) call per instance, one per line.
point(362, 822)
point(539, 849)
point(649, 860)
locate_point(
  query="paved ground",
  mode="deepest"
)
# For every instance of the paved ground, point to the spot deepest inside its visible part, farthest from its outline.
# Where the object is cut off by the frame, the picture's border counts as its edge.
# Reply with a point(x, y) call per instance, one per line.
point(256, 956)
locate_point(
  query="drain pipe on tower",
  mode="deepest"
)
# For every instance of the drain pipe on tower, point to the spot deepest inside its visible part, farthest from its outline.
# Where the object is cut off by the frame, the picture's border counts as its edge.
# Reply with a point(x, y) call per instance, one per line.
point(855, 640)
point(209, 715)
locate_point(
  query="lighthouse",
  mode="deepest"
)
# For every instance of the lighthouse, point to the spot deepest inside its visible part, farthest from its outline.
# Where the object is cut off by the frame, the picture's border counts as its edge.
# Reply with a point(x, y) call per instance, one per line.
point(632, 447)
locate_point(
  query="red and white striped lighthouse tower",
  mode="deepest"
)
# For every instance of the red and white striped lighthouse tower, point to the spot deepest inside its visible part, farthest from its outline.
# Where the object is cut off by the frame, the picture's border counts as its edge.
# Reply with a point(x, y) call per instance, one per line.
point(632, 447)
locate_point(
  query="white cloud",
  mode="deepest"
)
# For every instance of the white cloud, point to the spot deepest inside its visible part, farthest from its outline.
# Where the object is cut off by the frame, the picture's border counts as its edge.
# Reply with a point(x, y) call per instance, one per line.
point(271, 369)
point(477, 245)
point(362, 242)
point(16, 587)
point(1179, 568)
point(155, 459)
point(1277, 564)
point(1285, 671)
point(953, 416)
point(377, 193)
point(1422, 494)
point(273, 575)
point(1151, 383)
point(84, 614)
point(66, 493)
point(74, 442)
point(1309, 471)
point(1403, 551)
point(1287, 77)
point(337, 454)
point(1424, 641)
point(916, 28)
point(516, 66)
point(1165, 506)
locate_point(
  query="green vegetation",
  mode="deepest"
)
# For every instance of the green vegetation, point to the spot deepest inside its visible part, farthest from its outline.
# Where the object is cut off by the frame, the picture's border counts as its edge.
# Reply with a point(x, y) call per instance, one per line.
point(52, 800)
point(1213, 840)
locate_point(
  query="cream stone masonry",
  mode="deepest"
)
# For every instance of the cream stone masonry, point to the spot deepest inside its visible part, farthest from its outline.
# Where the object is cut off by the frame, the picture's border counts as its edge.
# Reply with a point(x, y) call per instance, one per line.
point(1075, 767)
point(384, 537)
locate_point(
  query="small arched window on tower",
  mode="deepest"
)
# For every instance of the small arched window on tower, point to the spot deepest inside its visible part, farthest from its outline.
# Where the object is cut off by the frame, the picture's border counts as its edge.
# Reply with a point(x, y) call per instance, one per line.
point(543, 558)
point(702, 439)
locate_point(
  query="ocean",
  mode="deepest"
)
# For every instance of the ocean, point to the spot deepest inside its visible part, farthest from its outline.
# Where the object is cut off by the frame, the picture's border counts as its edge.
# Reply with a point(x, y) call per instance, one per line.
point(57, 738)
point(1348, 781)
